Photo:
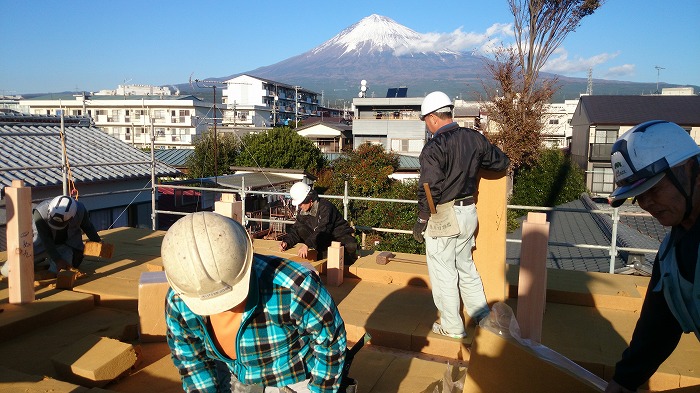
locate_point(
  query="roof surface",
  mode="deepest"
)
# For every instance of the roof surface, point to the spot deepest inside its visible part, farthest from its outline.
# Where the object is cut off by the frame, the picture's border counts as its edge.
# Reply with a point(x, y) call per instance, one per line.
point(31, 151)
point(682, 110)
point(254, 180)
point(173, 157)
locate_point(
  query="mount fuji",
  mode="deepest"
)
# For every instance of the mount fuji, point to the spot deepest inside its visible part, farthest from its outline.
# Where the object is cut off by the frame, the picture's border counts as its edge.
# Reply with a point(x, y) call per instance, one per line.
point(387, 54)
point(383, 52)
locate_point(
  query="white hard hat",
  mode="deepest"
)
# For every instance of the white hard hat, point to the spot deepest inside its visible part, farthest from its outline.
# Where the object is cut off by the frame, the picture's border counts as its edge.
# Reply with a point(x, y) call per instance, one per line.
point(642, 155)
point(61, 210)
point(434, 101)
point(207, 259)
point(299, 192)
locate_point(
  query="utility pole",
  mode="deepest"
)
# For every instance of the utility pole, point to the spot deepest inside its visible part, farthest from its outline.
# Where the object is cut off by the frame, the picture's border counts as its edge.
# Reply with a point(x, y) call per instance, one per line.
point(296, 106)
point(213, 84)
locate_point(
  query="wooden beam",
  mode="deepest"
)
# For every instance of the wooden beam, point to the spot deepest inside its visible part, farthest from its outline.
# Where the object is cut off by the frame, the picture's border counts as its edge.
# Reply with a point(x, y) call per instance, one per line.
point(532, 281)
point(20, 246)
point(335, 264)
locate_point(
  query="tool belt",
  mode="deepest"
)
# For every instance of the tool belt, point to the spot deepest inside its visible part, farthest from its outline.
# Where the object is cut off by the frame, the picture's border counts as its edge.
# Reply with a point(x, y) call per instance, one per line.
point(466, 201)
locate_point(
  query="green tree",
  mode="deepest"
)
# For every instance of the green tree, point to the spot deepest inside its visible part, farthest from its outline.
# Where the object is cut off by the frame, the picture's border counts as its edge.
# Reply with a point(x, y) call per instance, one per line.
point(554, 180)
point(367, 171)
point(202, 164)
point(280, 148)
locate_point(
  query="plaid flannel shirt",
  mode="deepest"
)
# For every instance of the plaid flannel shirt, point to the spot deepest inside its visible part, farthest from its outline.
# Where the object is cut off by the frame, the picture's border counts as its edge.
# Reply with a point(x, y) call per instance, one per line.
point(290, 331)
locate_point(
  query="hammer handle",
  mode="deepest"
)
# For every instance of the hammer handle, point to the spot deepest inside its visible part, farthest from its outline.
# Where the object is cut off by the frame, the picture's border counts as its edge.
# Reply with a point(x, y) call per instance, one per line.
point(426, 187)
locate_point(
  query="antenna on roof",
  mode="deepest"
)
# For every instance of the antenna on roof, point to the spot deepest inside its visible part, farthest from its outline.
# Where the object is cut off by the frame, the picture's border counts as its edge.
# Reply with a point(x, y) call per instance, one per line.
point(363, 89)
point(658, 71)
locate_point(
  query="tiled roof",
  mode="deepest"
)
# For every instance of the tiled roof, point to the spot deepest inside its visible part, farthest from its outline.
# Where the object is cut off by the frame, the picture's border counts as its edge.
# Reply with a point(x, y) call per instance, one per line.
point(173, 157)
point(629, 110)
point(30, 144)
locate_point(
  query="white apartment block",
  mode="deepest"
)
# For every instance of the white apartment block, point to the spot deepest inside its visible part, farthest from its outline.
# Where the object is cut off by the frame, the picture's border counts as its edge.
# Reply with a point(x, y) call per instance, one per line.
point(256, 102)
point(557, 124)
point(175, 121)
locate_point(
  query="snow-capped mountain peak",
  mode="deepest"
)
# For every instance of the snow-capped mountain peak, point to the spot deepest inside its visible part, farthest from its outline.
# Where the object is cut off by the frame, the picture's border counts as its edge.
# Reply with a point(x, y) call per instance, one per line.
point(374, 33)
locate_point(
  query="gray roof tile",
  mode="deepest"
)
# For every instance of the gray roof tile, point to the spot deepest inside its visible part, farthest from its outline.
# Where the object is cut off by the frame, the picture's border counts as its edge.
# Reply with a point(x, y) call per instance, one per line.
point(23, 145)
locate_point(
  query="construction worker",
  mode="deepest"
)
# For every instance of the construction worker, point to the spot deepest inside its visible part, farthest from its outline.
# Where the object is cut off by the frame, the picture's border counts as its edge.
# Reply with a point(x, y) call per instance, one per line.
point(243, 322)
point(449, 163)
point(58, 227)
point(318, 223)
point(656, 163)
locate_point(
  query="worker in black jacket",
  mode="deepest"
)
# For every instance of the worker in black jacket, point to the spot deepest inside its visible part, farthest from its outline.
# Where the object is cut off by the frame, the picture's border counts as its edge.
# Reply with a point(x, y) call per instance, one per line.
point(318, 224)
point(449, 163)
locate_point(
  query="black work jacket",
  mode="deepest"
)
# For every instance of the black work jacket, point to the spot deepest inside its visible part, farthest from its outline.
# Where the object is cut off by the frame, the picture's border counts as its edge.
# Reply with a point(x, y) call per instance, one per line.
point(319, 226)
point(450, 163)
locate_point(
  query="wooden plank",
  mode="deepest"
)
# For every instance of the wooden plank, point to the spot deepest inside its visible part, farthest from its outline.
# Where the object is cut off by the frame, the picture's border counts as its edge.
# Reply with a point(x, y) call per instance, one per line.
point(20, 247)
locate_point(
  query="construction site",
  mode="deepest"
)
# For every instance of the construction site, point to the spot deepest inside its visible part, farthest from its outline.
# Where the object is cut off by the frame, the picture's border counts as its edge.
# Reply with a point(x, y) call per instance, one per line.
point(102, 329)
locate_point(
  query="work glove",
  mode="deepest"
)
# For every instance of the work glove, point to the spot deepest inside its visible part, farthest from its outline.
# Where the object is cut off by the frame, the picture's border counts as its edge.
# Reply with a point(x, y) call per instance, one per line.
point(418, 229)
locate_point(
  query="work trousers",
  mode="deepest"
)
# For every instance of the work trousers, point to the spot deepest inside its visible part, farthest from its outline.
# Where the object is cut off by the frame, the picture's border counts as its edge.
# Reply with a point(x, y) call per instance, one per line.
point(452, 273)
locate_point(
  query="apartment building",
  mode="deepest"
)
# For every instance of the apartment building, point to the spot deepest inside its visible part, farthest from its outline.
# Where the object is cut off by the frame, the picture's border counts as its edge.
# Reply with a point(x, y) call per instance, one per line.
point(250, 101)
point(392, 122)
point(175, 121)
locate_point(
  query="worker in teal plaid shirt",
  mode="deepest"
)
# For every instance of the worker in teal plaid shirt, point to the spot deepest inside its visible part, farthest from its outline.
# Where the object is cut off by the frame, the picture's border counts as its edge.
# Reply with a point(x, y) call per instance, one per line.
point(241, 322)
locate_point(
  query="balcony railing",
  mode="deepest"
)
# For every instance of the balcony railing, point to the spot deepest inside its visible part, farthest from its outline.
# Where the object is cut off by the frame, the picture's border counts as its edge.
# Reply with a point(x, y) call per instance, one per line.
point(600, 151)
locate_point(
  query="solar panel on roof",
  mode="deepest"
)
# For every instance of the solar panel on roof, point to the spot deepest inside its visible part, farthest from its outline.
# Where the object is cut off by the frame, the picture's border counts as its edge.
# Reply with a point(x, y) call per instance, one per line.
point(402, 91)
point(391, 93)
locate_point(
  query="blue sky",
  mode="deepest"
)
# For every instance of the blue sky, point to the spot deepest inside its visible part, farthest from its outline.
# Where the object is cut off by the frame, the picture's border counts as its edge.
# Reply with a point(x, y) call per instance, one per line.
point(52, 46)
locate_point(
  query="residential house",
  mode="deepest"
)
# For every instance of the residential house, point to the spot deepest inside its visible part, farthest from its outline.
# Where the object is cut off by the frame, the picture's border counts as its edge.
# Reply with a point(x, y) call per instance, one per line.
point(112, 179)
point(257, 102)
point(330, 135)
point(392, 122)
point(175, 121)
point(599, 120)
point(467, 114)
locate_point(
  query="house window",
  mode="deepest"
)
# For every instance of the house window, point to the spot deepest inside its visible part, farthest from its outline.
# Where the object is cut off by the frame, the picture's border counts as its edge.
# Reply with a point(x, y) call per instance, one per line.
point(553, 121)
point(605, 135)
point(602, 180)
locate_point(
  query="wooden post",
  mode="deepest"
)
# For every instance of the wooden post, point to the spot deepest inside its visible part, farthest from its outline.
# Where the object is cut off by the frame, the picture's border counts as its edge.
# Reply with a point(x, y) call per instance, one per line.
point(20, 247)
point(490, 252)
point(532, 282)
point(335, 264)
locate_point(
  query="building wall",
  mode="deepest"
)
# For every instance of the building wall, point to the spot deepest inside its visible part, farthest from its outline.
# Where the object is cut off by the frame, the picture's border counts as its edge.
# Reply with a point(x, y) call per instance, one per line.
point(405, 137)
point(175, 123)
point(255, 102)
point(391, 122)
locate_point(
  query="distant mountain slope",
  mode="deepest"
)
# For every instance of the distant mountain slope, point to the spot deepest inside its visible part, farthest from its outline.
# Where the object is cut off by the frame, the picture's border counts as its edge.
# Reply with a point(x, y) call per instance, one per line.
point(388, 54)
